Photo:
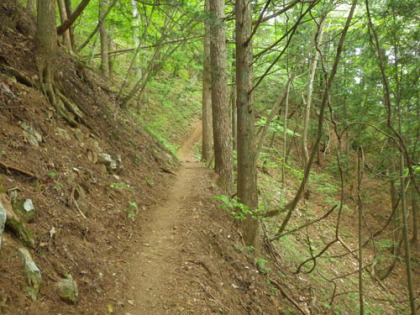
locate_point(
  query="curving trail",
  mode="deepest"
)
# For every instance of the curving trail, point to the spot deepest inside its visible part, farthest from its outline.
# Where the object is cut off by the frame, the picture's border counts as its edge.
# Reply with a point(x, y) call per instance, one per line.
point(158, 284)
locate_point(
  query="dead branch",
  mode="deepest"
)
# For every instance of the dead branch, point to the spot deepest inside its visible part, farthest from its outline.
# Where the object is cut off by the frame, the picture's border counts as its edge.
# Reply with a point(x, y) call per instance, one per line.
point(278, 236)
point(19, 75)
point(287, 296)
point(200, 263)
point(128, 50)
point(73, 200)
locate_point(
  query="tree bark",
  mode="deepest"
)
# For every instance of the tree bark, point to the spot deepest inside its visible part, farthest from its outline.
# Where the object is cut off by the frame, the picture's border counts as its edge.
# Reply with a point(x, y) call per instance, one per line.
point(47, 45)
point(360, 167)
point(221, 114)
point(415, 211)
point(69, 12)
point(247, 170)
point(104, 39)
point(111, 46)
point(30, 7)
point(63, 18)
point(318, 41)
point(207, 141)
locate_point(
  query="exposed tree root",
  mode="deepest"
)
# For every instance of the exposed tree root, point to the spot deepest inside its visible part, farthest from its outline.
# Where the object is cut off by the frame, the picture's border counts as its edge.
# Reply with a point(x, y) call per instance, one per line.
point(9, 168)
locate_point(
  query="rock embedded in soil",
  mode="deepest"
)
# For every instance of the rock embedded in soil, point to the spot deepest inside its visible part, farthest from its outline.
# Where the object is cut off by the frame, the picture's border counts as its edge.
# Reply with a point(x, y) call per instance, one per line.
point(32, 275)
point(15, 224)
point(33, 136)
point(68, 290)
point(25, 209)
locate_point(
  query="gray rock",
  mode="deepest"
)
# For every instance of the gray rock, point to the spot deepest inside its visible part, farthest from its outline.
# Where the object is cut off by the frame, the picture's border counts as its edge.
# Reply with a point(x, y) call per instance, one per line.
point(67, 289)
point(62, 133)
point(3, 217)
point(32, 275)
point(15, 223)
point(33, 136)
point(25, 209)
point(111, 164)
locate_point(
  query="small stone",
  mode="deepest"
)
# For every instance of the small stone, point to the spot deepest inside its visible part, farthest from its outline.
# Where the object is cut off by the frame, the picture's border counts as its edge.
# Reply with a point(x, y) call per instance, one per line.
point(32, 275)
point(67, 289)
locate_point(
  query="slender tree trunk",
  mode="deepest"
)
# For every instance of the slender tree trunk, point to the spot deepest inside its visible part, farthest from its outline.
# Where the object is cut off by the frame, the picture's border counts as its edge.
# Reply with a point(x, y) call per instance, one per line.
point(396, 215)
point(233, 103)
point(63, 18)
point(30, 7)
point(415, 211)
point(104, 40)
point(69, 11)
point(247, 169)
point(318, 41)
point(404, 215)
point(221, 114)
point(136, 32)
point(111, 47)
point(92, 51)
point(207, 144)
point(47, 45)
point(234, 119)
point(360, 166)
point(286, 113)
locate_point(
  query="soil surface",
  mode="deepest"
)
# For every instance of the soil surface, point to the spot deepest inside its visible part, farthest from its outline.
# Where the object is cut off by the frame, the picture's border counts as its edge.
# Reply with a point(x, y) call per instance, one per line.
point(160, 255)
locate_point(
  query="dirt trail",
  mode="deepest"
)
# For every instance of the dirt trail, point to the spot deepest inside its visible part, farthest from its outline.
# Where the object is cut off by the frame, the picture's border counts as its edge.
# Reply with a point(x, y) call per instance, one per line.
point(158, 285)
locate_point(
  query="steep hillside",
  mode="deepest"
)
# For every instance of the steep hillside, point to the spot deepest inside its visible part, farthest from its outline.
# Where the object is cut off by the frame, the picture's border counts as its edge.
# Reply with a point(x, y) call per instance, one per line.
point(83, 181)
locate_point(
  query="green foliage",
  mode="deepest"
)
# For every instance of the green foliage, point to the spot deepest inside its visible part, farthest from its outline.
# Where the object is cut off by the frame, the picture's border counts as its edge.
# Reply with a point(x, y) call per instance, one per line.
point(131, 211)
point(149, 182)
point(261, 265)
point(121, 186)
point(237, 209)
point(276, 126)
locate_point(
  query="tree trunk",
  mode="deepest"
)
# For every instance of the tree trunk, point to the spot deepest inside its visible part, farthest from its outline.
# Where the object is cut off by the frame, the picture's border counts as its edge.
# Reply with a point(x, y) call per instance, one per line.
point(136, 31)
point(63, 18)
point(30, 7)
point(415, 211)
point(285, 126)
point(360, 166)
point(104, 40)
point(221, 114)
point(47, 45)
point(111, 47)
point(233, 105)
point(69, 11)
point(247, 170)
point(207, 143)
point(318, 41)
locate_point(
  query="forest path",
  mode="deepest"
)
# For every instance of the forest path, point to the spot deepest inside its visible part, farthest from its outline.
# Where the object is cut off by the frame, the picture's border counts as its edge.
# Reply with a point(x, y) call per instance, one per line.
point(158, 282)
